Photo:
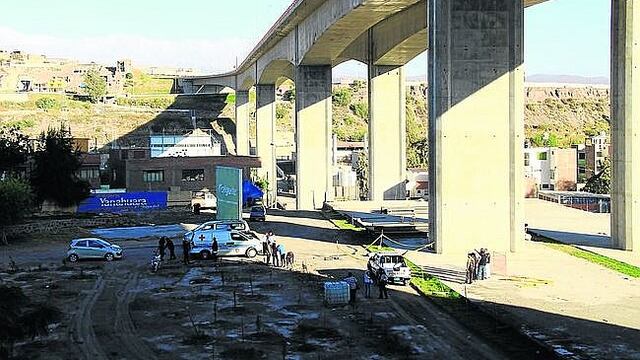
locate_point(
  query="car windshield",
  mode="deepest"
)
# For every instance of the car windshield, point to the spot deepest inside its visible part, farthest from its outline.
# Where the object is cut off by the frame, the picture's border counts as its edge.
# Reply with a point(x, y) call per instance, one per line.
point(257, 208)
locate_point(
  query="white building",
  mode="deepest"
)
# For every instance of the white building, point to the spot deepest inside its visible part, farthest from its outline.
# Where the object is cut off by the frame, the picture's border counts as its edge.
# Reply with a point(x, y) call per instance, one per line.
point(196, 143)
point(536, 166)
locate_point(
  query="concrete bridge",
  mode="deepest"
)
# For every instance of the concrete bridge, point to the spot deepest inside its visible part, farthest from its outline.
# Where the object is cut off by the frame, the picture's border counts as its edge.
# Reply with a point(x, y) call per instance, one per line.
point(476, 101)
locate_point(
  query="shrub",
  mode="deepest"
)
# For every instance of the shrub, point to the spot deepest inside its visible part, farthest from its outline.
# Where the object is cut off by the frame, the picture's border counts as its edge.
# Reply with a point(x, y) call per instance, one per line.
point(360, 109)
point(341, 97)
point(46, 103)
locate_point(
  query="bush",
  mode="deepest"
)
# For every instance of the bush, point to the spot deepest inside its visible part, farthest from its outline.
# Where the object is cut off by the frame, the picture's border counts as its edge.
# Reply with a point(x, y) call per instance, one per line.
point(360, 109)
point(341, 97)
point(16, 200)
point(46, 103)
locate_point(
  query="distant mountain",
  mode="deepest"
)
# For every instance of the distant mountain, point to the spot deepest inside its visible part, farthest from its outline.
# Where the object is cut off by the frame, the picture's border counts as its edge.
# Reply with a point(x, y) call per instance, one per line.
point(567, 79)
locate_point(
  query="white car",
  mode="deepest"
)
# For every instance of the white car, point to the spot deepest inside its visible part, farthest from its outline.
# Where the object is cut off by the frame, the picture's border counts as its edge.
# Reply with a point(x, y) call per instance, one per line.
point(392, 264)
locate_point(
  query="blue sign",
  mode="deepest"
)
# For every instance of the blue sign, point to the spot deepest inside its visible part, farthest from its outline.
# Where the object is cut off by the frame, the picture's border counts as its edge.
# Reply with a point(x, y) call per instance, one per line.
point(122, 202)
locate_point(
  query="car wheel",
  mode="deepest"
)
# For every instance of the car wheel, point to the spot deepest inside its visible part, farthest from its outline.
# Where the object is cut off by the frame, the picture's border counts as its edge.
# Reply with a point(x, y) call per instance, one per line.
point(109, 257)
point(251, 253)
point(73, 258)
point(204, 255)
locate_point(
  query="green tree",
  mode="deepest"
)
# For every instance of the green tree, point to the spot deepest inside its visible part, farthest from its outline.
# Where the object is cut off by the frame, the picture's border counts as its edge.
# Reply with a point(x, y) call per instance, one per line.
point(14, 147)
point(262, 183)
point(362, 174)
point(360, 109)
point(600, 183)
point(341, 97)
point(95, 86)
point(54, 176)
point(16, 200)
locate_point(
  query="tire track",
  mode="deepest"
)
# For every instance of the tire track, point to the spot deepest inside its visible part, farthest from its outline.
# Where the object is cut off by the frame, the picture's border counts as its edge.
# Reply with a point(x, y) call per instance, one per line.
point(447, 333)
point(124, 328)
point(83, 333)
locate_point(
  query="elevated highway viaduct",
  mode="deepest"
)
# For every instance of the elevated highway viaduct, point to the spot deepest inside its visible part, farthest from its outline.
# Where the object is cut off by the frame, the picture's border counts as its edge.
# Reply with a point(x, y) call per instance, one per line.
point(476, 101)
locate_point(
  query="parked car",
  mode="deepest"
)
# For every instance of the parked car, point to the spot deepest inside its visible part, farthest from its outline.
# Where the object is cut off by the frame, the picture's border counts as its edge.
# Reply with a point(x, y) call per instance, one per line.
point(93, 248)
point(230, 243)
point(258, 213)
point(392, 264)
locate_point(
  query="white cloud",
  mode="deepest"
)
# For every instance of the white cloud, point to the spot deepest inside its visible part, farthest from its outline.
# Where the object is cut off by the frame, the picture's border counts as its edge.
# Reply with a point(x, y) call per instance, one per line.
point(215, 55)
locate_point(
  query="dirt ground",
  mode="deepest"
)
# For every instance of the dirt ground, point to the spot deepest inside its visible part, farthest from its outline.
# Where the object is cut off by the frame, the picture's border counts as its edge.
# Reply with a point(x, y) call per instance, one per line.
point(233, 309)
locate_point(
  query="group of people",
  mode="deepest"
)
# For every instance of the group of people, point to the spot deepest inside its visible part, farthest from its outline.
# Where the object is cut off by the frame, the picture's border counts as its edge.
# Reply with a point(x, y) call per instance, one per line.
point(368, 280)
point(275, 253)
point(165, 243)
point(478, 265)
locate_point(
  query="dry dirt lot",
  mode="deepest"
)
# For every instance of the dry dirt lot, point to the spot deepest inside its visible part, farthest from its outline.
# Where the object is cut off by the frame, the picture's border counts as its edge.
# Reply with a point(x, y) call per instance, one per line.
point(236, 308)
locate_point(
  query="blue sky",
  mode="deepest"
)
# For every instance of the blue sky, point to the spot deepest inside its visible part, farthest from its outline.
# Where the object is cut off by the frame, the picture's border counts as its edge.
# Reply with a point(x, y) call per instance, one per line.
point(561, 37)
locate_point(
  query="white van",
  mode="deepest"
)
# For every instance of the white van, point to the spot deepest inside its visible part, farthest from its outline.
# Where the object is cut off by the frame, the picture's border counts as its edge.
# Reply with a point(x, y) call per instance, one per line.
point(234, 238)
point(230, 243)
point(211, 226)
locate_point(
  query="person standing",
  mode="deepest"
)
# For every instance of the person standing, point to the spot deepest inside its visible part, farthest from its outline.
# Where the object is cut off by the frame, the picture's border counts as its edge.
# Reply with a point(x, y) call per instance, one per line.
point(482, 265)
point(382, 284)
point(353, 287)
point(214, 249)
point(172, 249)
point(471, 268)
point(367, 281)
point(161, 247)
point(274, 252)
point(265, 248)
point(282, 253)
point(487, 267)
point(186, 247)
point(476, 271)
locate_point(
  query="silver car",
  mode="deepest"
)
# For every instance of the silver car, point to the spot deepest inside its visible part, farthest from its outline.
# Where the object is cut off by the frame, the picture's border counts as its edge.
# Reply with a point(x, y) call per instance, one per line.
point(93, 248)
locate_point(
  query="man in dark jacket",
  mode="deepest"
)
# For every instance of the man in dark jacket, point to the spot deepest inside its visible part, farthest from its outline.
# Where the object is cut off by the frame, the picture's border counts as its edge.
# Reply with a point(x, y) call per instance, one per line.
point(161, 247)
point(382, 284)
point(172, 249)
point(471, 268)
point(214, 249)
point(186, 248)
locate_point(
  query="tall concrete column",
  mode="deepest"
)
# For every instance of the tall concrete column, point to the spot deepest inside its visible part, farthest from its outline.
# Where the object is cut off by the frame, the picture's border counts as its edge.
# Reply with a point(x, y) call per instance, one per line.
point(242, 123)
point(476, 124)
point(387, 133)
point(265, 134)
point(625, 124)
point(313, 136)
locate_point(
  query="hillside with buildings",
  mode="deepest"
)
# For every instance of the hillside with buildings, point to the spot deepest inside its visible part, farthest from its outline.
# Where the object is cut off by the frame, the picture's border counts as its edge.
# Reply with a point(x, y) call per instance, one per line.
point(37, 92)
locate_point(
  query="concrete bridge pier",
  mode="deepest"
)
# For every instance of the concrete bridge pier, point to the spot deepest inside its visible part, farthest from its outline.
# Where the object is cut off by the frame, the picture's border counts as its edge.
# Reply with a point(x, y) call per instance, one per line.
point(242, 122)
point(625, 124)
point(313, 136)
point(387, 138)
point(476, 124)
point(265, 134)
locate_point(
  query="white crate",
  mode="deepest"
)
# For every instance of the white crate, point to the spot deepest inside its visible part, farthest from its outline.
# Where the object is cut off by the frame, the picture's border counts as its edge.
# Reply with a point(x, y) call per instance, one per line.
point(336, 293)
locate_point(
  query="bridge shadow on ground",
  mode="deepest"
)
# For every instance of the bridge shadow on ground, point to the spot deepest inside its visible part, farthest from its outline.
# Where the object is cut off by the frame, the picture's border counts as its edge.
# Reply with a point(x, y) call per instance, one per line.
point(600, 241)
point(516, 332)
